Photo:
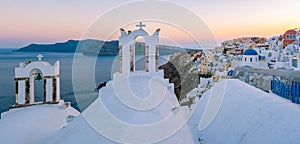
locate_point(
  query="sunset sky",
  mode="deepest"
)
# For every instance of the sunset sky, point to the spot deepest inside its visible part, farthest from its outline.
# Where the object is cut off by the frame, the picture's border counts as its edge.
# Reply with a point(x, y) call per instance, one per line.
point(39, 21)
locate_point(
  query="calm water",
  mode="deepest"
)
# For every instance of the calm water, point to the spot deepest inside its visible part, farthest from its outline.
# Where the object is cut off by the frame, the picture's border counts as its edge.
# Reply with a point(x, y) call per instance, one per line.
point(9, 60)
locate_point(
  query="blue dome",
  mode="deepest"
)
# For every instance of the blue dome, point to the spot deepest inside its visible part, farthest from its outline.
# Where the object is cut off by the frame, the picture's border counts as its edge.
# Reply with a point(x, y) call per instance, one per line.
point(250, 52)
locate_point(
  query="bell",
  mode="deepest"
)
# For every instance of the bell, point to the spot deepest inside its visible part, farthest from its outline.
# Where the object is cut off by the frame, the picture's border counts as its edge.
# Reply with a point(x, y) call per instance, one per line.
point(38, 77)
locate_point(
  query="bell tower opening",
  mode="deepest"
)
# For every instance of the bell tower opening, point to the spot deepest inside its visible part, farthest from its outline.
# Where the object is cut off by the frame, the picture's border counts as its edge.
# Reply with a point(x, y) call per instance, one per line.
point(140, 54)
point(37, 85)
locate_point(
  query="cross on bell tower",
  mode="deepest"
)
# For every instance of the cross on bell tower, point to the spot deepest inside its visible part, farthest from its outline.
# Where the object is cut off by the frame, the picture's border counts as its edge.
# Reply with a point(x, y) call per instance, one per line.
point(141, 25)
point(40, 57)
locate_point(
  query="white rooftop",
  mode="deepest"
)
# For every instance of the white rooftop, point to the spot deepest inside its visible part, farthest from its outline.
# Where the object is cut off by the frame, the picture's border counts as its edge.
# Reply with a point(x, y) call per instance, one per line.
point(33, 124)
point(247, 116)
point(80, 130)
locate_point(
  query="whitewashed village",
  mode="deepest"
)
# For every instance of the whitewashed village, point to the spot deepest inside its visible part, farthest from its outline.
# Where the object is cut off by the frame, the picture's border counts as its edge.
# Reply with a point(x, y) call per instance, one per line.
point(278, 52)
point(247, 91)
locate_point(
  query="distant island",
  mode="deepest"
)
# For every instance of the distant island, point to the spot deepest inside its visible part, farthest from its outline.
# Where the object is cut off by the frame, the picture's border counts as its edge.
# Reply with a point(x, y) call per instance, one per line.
point(92, 46)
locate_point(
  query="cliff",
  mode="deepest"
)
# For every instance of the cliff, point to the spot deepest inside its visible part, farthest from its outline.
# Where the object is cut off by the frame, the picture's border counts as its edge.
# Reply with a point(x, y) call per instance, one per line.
point(180, 71)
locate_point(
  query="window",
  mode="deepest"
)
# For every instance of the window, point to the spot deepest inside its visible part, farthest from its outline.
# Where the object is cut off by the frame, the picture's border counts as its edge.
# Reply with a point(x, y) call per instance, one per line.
point(250, 59)
point(245, 59)
point(269, 54)
point(291, 36)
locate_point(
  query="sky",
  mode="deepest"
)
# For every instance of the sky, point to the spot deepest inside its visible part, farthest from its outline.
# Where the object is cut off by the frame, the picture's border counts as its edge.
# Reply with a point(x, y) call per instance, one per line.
point(40, 21)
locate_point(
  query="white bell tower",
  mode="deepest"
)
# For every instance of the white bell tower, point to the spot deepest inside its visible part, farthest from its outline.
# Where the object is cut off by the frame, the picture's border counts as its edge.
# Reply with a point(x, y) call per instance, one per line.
point(127, 50)
point(25, 75)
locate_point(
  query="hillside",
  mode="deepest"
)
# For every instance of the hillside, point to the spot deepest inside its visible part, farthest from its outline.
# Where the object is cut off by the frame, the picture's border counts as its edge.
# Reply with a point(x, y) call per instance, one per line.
point(179, 70)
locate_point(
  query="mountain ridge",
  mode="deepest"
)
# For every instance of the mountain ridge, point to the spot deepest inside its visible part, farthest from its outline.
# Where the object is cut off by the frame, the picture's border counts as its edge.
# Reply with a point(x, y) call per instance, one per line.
point(91, 47)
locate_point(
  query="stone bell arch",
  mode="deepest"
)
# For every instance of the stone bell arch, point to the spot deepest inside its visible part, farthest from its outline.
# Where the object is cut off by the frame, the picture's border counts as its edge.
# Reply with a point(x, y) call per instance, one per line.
point(24, 78)
point(127, 50)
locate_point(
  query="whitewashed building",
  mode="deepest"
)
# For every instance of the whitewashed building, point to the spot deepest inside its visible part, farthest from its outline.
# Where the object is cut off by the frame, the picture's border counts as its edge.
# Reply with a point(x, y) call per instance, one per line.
point(26, 74)
point(250, 59)
point(136, 106)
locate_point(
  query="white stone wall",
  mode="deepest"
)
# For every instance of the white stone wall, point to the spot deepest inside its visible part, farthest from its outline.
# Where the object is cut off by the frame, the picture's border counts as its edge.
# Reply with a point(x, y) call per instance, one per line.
point(31, 81)
point(49, 90)
point(46, 69)
point(248, 61)
point(57, 89)
point(21, 91)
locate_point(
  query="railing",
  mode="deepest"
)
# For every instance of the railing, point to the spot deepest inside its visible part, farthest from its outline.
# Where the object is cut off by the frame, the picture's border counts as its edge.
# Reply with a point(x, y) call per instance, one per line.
point(289, 90)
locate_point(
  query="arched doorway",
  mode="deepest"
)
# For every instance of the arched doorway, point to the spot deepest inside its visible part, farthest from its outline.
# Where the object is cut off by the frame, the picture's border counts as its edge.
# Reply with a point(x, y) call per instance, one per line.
point(294, 61)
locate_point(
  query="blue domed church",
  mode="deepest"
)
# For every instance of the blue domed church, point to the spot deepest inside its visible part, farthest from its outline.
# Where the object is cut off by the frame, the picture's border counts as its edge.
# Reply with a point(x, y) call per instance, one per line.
point(250, 58)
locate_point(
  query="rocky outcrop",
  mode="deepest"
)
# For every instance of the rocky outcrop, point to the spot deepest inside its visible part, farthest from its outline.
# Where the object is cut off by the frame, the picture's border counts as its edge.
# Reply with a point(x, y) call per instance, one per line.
point(172, 74)
point(179, 70)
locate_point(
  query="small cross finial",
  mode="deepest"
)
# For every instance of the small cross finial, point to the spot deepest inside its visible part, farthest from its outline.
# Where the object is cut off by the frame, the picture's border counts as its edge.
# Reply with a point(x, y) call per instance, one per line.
point(141, 25)
point(40, 57)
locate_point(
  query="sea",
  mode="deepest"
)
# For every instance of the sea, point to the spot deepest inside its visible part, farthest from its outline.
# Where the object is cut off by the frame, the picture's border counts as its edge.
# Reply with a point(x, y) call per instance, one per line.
point(104, 68)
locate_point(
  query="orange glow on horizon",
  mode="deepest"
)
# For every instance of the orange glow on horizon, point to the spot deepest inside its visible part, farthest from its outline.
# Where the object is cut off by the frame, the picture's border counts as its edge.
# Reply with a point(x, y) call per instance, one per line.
point(57, 21)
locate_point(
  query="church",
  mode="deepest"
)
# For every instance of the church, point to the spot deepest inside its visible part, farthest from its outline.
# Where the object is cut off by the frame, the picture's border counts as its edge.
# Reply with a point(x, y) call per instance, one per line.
point(251, 59)
point(136, 106)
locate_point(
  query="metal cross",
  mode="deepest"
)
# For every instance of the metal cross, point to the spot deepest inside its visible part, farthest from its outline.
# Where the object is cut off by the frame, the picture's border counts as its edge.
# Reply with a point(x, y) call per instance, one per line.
point(141, 25)
point(40, 57)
